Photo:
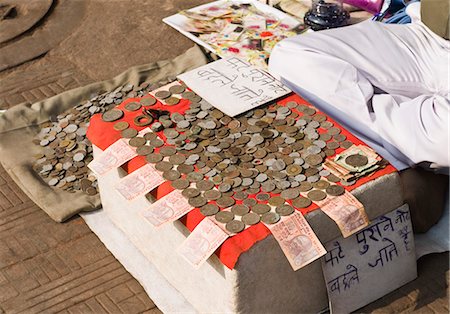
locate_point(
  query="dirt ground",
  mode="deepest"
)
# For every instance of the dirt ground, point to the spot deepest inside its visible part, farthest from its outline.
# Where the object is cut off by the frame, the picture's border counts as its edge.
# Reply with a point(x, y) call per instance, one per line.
point(50, 267)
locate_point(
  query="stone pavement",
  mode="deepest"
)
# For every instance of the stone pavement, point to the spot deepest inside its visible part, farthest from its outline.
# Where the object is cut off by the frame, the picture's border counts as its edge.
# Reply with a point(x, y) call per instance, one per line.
point(50, 267)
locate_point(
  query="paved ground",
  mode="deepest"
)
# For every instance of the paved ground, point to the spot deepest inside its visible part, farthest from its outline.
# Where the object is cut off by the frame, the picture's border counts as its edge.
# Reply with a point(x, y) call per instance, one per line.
point(51, 267)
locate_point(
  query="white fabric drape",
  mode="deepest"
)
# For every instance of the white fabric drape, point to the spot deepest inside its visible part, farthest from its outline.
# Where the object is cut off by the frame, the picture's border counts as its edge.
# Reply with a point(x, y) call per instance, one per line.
point(389, 84)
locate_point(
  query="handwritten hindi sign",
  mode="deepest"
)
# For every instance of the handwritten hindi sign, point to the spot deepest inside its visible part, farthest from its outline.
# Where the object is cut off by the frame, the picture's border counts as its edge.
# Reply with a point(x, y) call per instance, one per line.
point(234, 86)
point(370, 263)
point(139, 182)
point(297, 240)
point(167, 209)
point(113, 157)
point(202, 242)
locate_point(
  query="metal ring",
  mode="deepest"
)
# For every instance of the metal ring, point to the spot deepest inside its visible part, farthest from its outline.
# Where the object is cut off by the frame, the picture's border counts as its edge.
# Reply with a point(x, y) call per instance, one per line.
point(138, 121)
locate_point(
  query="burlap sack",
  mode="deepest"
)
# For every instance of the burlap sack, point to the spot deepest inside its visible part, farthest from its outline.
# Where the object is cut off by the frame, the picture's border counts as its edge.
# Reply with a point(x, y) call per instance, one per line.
point(20, 124)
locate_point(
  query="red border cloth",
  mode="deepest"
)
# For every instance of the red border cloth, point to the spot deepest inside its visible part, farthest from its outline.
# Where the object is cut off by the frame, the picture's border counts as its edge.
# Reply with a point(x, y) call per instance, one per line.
point(102, 135)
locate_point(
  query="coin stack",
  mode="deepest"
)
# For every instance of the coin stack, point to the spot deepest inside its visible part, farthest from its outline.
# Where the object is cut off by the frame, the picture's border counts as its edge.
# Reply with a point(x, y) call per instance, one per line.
point(245, 169)
point(65, 149)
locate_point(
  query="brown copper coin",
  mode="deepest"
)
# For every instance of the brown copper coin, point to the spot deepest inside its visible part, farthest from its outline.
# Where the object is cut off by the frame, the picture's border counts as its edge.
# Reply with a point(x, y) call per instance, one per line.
point(137, 141)
point(270, 218)
point(224, 216)
point(148, 101)
point(132, 106)
point(305, 186)
point(163, 94)
point(112, 115)
point(321, 184)
point(163, 166)
point(177, 89)
point(143, 120)
point(284, 210)
point(250, 219)
point(235, 226)
point(225, 201)
point(197, 201)
point(260, 208)
point(301, 202)
point(212, 195)
point(154, 158)
point(356, 160)
point(240, 209)
point(180, 184)
point(316, 195)
point(129, 133)
point(120, 126)
point(205, 185)
point(209, 209)
point(190, 192)
point(171, 175)
point(335, 190)
point(276, 201)
point(144, 150)
point(171, 101)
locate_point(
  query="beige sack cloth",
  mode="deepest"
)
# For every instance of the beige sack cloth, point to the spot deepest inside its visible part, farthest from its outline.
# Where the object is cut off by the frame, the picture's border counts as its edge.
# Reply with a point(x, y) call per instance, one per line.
point(20, 124)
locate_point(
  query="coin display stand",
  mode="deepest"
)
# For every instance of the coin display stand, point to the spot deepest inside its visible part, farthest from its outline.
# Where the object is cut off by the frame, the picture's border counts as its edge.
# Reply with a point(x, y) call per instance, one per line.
point(262, 280)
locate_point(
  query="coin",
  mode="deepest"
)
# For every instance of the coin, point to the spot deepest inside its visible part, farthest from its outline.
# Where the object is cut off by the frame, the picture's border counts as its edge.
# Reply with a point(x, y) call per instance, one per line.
point(143, 120)
point(240, 209)
point(171, 175)
point(120, 126)
point(305, 186)
point(209, 209)
point(167, 150)
point(316, 195)
point(356, 160)
point(132, 106)
point(197, 201)
point(180, 184)
point(171, 101)
point(205, 185)
point(260, 208)
point(276, 201)
point(224, 216)
point(250, 219)
point(321, 184)
point(301, 202)
point(335, 190)
point(284, 210)
point(163, 166)
point(144, 150)
point(154, 158)
point(129, 133)
point(137, 142)
point(112, 115)
point(235, 226)
point(190, 192)
point(225, 201)
point(290, 194)
point(163, 94)
point(148, 101)
point(293, 170)
point(314, 159)
point(212, 195)
point(177, 89)
point(270, 218)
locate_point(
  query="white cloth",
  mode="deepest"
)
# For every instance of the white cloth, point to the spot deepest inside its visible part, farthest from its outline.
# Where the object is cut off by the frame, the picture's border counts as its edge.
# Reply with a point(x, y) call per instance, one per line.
point(388, 84)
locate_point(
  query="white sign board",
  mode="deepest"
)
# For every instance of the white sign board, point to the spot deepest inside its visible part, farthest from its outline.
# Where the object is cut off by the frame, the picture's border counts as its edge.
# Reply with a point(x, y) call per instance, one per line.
point(371, 263)
point(234, 86)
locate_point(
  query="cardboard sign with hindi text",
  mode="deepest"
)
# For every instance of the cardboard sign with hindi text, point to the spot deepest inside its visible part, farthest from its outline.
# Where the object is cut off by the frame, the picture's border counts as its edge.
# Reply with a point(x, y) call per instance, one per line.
point(234, 86)
point(374, 261)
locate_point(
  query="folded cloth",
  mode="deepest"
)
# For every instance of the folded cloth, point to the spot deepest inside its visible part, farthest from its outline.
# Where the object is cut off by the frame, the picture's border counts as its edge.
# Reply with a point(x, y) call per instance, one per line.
point(20, 124)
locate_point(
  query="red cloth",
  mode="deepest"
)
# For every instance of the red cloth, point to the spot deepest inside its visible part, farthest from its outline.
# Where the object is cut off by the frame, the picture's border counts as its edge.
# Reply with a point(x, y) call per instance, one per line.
point(102, 135)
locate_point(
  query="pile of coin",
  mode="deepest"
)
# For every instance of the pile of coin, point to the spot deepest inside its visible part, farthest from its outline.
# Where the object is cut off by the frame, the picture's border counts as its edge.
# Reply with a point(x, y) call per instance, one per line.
point(66, 151)
point(246, 169)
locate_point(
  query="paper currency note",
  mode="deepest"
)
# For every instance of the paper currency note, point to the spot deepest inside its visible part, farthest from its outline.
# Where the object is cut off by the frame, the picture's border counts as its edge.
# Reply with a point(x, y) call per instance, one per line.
point(202, 242)
point(297, 240)
point(346, 211)
point(139, 182)
point(113, 157)
point(167, 209)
